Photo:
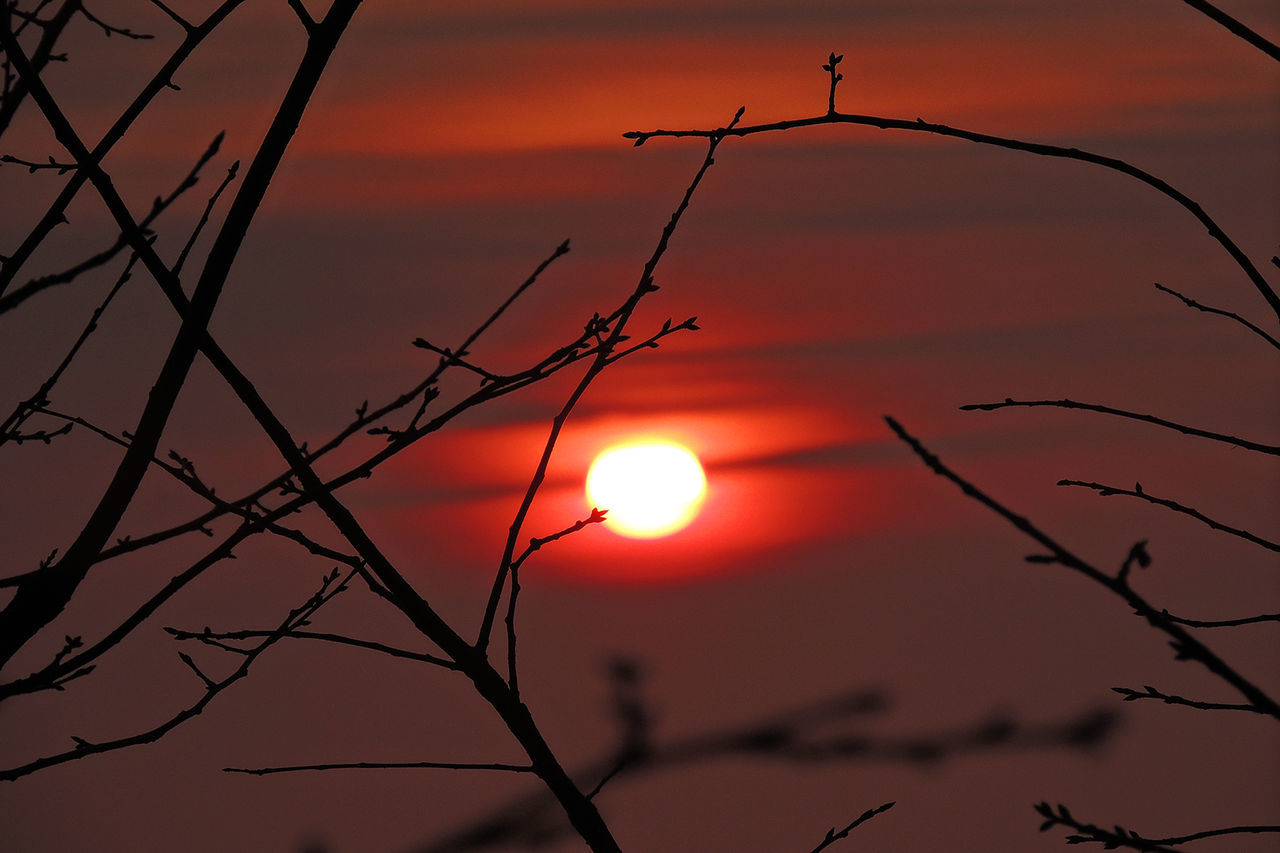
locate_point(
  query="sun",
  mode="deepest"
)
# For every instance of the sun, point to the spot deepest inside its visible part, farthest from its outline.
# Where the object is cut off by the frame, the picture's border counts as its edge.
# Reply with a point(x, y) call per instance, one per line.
point(651, 488)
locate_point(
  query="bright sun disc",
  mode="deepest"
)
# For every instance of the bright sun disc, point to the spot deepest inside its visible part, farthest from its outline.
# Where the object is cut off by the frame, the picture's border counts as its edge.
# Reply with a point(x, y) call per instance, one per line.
point(650, 489)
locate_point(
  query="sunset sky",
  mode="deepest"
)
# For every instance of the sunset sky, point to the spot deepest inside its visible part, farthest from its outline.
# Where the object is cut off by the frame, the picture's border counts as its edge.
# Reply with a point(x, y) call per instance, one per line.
point(838, 275)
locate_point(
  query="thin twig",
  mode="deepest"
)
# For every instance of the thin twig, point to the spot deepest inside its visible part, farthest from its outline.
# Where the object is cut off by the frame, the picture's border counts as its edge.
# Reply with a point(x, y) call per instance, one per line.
point(109, 29)
point(1258, 447)
point(1209, 309)
point(1184, 645)
point(601, 360)
point(330, 587)
point(204, 217)
point(161, 80)
point(1092, 834)
point(535, 544)
point(1137, 492)
point(212, 637)
point(19, 295)
point(41, 396)
point(383, 765)
point(174, 16)
point(1223, 623)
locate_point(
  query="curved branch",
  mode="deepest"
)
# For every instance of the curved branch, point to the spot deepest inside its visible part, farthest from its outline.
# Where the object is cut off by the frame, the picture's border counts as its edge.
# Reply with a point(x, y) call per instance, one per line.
point(1222, 623)
point(1269, 449)
point(1137, 492)
point(1044, 150)
point(1209, 309)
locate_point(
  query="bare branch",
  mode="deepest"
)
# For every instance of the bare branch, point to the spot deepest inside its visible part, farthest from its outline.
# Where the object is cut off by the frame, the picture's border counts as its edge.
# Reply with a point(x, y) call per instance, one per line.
point(1223, 623)
point(173, 16)
point(159, 81)
point(34, 605)
point(204, 217)
point(383, 765)
point(1238, 29)
point(1209, 309)
point(15, 92)
point(1184, 645)
point(1089, 833)
point(19, 295)
point(601, 360)
point(110, 30)
point(33, 166)
point(1137, 492)
point(329, 588)
point(214, 638)
point(27, 407)
point(919, 125)
point(1269, 449)
point(535, 544)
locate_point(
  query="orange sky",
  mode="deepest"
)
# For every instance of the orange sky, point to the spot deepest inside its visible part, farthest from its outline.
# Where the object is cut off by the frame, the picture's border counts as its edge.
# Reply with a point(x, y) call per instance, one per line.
point(838, 275)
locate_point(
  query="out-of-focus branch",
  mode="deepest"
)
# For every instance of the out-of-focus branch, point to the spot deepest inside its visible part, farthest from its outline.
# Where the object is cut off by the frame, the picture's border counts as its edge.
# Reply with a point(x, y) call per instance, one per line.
point(1258, 447)
point(1137, 492)
point(826, 731)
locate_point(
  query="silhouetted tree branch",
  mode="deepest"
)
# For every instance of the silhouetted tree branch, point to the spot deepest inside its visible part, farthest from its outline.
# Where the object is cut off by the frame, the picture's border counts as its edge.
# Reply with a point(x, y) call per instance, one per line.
point(1258, 447)
point(1208, 309)
point(1089, 833)
point(919, 125)
point(330, 587)
point(1137, 492)
point(1236, 27)
point(41, 595)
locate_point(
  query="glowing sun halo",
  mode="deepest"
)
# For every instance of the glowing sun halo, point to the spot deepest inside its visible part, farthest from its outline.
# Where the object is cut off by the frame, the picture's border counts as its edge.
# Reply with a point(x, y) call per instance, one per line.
point(650, 489)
